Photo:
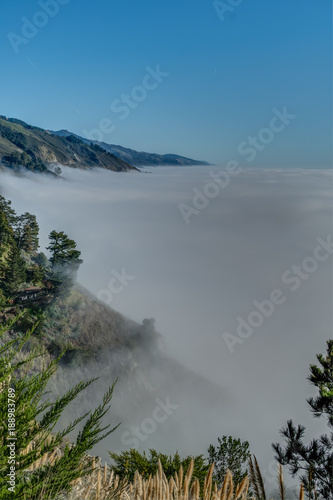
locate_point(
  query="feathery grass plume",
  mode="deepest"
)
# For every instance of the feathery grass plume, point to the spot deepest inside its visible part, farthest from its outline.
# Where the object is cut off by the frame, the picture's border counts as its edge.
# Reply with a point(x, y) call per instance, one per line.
point(181, 477)
point(225, 485)
point(256, 478)
point(260, 479)
point(98, 484)
point(282, 487)
point(215, 495)
point(231, 488)
point(159, 488)
point(230, 495)
point(242, 489)
point(195, 490)
point(105, 474)
point(301, 492)
point(127, 462)
point(208, 483)
point(160, 478)
point(189, 474)
point(253, 477)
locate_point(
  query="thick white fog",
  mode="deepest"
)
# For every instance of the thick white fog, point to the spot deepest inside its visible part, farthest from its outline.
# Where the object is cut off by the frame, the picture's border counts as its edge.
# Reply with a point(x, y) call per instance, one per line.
point(197, 278)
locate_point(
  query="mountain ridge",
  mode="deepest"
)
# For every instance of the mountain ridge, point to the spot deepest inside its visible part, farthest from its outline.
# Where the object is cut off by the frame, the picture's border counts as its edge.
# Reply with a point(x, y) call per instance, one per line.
point(137, 158)
point(32, 148)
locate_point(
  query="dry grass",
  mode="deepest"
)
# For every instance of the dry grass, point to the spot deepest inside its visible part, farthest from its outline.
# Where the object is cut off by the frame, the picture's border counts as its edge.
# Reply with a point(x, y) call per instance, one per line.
point(103, 484)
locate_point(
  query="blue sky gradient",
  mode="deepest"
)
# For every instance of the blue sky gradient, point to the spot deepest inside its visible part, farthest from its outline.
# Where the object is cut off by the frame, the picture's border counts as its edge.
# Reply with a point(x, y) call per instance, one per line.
point(224, 76)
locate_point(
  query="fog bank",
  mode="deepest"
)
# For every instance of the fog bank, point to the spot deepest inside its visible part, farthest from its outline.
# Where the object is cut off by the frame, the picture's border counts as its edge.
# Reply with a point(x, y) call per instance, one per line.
point(198, 278)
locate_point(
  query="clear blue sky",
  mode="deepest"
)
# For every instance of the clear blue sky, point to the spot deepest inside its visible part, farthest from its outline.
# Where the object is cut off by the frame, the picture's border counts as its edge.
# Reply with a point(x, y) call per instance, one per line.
point(225, 77)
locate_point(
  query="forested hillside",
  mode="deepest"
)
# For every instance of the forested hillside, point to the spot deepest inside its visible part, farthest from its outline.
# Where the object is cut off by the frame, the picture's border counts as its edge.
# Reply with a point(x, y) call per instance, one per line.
point(27, 276)
point(45, 289)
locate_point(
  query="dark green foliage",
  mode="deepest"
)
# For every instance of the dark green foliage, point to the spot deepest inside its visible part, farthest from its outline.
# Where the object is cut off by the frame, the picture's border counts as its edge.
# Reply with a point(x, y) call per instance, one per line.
point(231, 454)
point(11, 135)
point(3, 299)
point(26, 230)
point(41, 260)
point(35, 420)
point(63, 251)
point(21, 266)
point(21, 122)
point(29, 161)
point(313, 463)
point(65, 260)
point(35, 275)
point(127, 462)
point(5, 233)
point(322, 378)
point(73, 139)
point(15, 272)
point(7, 210)
point(98, 148)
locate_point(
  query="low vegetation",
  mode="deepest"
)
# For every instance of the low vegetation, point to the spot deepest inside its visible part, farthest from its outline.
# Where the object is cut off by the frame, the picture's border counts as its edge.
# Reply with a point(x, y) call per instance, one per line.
point(27, 432)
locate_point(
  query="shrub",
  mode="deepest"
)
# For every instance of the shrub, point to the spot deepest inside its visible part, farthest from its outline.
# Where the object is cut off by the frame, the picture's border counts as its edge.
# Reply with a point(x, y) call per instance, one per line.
point(31, 434)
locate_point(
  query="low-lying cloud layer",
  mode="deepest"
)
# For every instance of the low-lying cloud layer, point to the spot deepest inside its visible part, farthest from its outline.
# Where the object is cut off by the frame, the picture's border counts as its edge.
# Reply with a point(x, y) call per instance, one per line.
point(200, 280)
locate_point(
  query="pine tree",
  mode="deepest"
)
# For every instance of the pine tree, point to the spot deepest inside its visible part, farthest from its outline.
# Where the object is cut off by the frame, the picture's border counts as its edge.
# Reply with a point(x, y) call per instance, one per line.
point(322, 378)
point(15, 271)
point(65, 258)
point(313, 462)
point(6, 208)
point(26, 230)
point(5, 232)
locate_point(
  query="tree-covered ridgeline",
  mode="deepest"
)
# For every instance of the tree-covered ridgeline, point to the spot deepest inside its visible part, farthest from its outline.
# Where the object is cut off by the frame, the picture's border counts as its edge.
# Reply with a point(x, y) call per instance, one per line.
point(26, 274)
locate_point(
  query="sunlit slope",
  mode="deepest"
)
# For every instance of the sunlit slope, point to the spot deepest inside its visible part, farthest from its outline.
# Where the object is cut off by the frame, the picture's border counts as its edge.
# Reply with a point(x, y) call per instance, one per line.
point(22, 145)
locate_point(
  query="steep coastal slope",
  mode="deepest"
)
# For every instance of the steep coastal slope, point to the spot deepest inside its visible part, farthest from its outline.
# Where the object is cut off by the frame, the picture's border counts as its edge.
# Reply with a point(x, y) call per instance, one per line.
point(35, 149)
point(104, 344)
point(107, 345)
point(95, 341)
point(139, 158)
